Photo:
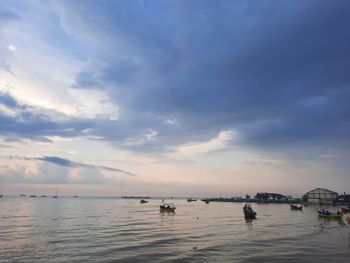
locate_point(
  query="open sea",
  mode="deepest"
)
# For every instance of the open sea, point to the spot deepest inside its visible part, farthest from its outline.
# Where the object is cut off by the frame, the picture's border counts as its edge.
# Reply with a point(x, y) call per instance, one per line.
point(123, 230)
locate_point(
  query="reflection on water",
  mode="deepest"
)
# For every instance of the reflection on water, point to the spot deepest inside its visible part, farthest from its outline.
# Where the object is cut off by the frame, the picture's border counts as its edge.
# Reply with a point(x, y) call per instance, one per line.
point(123, 230)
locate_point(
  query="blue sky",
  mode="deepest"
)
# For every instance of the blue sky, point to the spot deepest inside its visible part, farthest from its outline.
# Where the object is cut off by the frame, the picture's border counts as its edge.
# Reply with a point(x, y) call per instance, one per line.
point(174, 97)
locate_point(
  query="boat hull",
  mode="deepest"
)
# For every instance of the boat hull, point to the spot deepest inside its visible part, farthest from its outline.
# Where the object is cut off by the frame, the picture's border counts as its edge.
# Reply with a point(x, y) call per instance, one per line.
point(330, 216)
point(346, 218)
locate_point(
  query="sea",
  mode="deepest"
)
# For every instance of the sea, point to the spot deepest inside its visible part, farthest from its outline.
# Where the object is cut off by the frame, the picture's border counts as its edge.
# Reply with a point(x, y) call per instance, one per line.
point(110, 229)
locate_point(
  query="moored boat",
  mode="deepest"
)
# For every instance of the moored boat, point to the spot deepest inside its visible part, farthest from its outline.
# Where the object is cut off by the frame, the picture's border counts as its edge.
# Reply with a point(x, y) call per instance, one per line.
point(1, 195)
point(191, 200)
point(143, 201)
point(330, 215)
point(167, 207)
point(295, 207)
point(249, 212)
point(346, 218)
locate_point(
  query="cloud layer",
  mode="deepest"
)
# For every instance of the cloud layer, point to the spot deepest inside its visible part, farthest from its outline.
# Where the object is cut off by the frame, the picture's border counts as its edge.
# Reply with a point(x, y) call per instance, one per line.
point(178, 79)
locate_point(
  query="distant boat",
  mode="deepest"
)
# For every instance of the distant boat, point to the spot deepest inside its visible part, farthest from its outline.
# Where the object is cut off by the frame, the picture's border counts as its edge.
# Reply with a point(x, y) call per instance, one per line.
point(1, 195)
point(143, 201)
point(33, 196)
point(167, 207)
point(327, 214)
point(23, 195)
point(207, 201)
point(75, 196)
point(295, 207)
point(43, 196)
point(248, 211)
point(55, 196)
point(191, 200)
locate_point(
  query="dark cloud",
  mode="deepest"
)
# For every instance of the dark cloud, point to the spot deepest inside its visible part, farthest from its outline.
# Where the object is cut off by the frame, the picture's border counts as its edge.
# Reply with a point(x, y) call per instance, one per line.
point(276, 72)
point(68, 163)
point(36, 123)
point(56, 170)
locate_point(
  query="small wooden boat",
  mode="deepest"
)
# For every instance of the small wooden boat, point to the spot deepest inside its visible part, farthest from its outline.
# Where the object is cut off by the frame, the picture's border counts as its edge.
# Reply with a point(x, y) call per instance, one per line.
point(43, 196)
point(248, 211)
point(33, 196)
point(1, 195)
point(346, 218)
point(167, 207)
point(23, 195)
point(191, 200)
point(295, 207)
point(143, 201)
point(207, 201)
point(330, 215)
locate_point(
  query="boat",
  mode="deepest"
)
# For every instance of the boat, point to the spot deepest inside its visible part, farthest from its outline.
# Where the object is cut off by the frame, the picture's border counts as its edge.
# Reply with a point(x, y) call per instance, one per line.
point(330, 215)
point(207, 201)
point(43, 196)
point(167, 207)
point(33, 196)
point(55, 196)
point(248, 211)
point(191, 200)
point(346, 218)
point(345, 210)
point(1, 195)
point(143, 201)
point(295, 207)
point(23, 195)
point(75, 196)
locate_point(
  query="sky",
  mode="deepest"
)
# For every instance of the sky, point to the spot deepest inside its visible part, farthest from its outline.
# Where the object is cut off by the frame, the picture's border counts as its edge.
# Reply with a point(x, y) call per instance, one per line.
point(174, 98)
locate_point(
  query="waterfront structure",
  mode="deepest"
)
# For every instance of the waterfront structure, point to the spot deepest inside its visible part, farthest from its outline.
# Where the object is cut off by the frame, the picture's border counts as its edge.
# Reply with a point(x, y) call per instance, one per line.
point(321, 196)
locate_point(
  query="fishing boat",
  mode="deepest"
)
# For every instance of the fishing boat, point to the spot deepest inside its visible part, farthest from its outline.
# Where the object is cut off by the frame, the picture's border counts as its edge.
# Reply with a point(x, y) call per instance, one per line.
point(55, 196)
point(33, 196)
point(1, 195)
point(295, 207)
point(207, 201)
point(330, 215)
point(191, 200)
point(23, 195)
point(167, 207)
point(43, 196)
point(143, 201)
point(248, 211)
point(346, 218)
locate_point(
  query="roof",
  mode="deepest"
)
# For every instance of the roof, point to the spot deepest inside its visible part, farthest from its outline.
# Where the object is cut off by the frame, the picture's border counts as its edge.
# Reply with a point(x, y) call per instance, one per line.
point(322, 190)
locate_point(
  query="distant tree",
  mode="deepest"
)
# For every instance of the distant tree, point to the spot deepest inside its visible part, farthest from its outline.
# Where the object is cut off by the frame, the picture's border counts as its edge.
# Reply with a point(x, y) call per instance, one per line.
point(262, 196)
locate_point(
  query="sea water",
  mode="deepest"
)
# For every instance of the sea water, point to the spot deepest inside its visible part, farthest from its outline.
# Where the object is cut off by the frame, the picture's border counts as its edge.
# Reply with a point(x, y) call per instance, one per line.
point(123, 230)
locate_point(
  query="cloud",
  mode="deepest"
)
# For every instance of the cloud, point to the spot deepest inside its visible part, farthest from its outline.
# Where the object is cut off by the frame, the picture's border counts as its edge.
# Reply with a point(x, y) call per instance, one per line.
point(222, 66)
point(274, 73)
point(68, 163)
point(57, 170)
point(221, 141)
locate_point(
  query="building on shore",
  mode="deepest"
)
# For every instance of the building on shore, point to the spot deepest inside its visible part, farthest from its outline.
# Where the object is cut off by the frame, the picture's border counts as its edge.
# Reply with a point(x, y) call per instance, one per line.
point(271, 198)
point(321, 196)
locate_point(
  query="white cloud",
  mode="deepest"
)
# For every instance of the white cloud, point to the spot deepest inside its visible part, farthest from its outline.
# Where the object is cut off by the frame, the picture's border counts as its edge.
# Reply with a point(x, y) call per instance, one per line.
point(151, 135)
point(12, 48)
point(196, 148)
point(171, 121)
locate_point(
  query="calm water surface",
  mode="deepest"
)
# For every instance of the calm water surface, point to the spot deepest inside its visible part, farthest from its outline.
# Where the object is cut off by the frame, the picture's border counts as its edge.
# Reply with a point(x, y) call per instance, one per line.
point(123, 230)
